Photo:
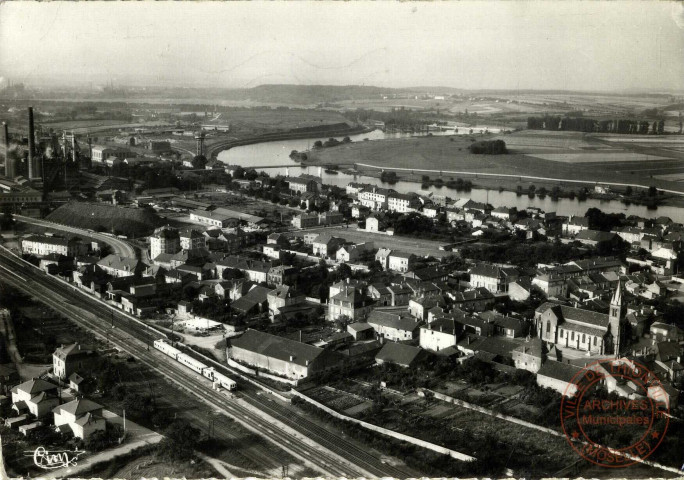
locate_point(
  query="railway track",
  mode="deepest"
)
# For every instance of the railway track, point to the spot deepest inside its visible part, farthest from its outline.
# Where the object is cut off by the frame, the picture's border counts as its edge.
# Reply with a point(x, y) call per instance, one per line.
point(331, 454)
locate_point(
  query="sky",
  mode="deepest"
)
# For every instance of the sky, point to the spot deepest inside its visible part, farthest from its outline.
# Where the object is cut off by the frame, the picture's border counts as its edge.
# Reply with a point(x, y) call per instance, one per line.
point(575, 45)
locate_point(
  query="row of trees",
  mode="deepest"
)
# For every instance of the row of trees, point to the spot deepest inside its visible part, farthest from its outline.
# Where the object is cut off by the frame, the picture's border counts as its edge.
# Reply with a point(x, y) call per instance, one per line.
point(579, 124)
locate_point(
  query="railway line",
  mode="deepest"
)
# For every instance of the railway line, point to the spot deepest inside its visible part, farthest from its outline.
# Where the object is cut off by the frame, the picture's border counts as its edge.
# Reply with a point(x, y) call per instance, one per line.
point(317, 446)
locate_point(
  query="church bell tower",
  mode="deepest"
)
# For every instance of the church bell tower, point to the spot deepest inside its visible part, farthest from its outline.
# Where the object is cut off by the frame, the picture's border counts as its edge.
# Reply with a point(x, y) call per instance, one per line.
point(615, 317)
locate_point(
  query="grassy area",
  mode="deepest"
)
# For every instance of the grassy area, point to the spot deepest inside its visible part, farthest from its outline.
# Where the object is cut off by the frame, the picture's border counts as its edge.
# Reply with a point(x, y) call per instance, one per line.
point(132, 222)
point(584, 157)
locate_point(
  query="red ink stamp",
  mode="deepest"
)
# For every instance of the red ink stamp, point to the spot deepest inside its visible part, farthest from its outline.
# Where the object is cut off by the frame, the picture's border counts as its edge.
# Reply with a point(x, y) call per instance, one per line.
point(615, 413)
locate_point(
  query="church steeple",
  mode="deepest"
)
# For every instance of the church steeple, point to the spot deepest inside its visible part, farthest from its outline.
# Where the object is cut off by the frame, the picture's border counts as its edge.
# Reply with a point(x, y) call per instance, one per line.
point(615, 317)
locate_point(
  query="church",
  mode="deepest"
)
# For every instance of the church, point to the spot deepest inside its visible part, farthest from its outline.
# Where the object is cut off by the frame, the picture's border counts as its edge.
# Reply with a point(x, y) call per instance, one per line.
point(567, 327)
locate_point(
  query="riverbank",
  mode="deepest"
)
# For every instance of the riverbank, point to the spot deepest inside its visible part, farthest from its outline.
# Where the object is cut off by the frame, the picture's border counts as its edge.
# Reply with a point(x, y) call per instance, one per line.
point(323, 133)
point(519, 185)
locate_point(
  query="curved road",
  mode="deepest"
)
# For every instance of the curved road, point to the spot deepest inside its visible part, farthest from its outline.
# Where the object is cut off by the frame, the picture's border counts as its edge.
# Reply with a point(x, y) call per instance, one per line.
point(119, 246)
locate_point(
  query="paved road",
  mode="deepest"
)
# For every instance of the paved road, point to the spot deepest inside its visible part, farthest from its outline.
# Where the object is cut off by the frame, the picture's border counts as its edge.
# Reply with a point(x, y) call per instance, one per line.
point(119, 246)
point(323, 449)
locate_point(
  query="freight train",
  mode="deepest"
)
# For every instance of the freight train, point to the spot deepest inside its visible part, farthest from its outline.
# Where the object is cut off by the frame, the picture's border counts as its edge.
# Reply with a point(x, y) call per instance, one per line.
point(218, 378)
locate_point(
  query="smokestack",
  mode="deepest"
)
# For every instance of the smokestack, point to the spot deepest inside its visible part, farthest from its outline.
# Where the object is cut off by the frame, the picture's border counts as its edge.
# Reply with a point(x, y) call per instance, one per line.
point(9, 163)
point(32, 164)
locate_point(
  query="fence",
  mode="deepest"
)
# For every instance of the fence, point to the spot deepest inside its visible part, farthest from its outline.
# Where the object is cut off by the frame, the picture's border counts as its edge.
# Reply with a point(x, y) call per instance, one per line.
point(385, 431)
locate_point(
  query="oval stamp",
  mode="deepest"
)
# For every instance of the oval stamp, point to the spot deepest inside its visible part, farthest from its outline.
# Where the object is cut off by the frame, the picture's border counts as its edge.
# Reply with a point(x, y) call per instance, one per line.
point(615, 413)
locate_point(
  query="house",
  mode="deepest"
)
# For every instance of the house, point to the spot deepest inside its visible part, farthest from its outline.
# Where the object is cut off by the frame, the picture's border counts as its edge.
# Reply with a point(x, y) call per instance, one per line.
point(282, 274)
point(281, 356)
point(403, 203)
point(401, 262)
point(375, 198)
point(393, 326)
point(301, 185)
point(278, 239)
point(164, 240)
point(559, 377)
point(361, 331)
point(399, 354)
point(595, 237)
point(520, 290)
point(575, 225)
point(493, 278)
point(282, 296)
point(399, 294)
point(350, 302)
point(192, 239)
point(505, 213)
point(326, 245)
point(440, 334)
point(382, 256)
point(254, 270)
point(9, 377)
point(81, 417)
point(254, 301)
point(419, 306)
point(381, 294)
point(351, 253)
point(69, 359)
point(552, 284)
point(119, 266)
point(629, 234)
point(36, 397)
point(372, 224)
point(476, 299)
point(530, 356)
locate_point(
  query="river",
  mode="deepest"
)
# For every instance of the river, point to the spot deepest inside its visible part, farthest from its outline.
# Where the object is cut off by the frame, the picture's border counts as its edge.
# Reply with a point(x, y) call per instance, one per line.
point(278, 153)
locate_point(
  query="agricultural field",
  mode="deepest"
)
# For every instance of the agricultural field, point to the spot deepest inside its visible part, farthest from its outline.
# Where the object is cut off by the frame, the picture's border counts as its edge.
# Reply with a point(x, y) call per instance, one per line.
point(551, 155)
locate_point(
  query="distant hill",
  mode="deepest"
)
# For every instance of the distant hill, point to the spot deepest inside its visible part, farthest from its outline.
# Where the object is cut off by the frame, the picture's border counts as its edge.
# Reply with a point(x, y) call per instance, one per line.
point(132, 222)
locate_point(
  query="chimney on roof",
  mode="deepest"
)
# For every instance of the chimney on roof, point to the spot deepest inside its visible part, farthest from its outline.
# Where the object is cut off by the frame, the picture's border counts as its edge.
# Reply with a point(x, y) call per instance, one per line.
point(300, 335)
point(291, 358)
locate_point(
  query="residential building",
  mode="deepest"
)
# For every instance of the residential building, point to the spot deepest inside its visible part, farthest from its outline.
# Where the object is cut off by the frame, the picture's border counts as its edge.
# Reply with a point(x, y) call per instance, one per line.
point(361, 331)
point(493, 278)
point(375, 198)
point(395, 327)
point(164, 240)
point(326, 245)
point(440, 334)
point(192, 239)
point(68, 359)
point(119, 266)
point(575, 225)
point(36, 397)
point(42, 245)
point(82, 417)
point(382, 256)
point(400, 261)
point(282, 296)
point(350, 302)
point(403, 203)
point(302, 185)
point(400, 354)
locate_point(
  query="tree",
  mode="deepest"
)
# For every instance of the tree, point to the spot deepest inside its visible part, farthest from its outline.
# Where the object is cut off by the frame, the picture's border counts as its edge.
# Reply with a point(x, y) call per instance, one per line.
point(180, 442)
point(200, 161)
point(628, 191)
point(344, 271)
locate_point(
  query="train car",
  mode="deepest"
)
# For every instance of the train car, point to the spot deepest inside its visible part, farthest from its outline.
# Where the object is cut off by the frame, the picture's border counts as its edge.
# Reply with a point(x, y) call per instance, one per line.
point(191, 363)
point(224, 381)
point(209, 372)
point(167, 349)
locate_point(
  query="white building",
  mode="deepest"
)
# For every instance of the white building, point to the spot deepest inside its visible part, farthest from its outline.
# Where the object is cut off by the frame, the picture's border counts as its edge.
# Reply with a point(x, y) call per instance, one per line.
point(438, 335)
point(164, 240)
point(81, 416)
point(375, 198)
point(402, 203)
point(400, 261)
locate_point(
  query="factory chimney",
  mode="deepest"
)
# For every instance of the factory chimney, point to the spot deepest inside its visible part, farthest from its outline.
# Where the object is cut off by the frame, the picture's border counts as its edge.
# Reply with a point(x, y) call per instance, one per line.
point(32, 161)
point(9, 163)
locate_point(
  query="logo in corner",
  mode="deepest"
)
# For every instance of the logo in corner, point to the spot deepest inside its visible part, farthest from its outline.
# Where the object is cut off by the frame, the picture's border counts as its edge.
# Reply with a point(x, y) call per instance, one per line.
point(51, 460)
point(615, 430)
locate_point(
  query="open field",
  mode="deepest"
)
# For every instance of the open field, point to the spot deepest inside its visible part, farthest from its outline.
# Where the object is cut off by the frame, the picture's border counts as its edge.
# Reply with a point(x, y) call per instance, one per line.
point(416, 246)
point(599, 160)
